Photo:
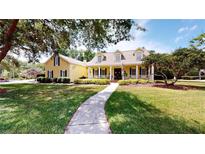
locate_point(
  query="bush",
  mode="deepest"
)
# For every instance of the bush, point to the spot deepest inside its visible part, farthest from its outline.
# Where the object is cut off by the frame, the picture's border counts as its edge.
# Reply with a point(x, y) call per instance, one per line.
point(65, 80)
point(40, 75)
point(54, 80)
point(82, 77)
point(190, 77)
point(92, 81)
point(133, 81)
point(142, 81)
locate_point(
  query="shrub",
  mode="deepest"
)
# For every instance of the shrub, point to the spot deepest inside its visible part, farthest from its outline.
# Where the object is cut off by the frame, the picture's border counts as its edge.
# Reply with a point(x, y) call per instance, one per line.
point(65, 80)
point(48, 80)
point(92, 81)
point(40, 75)
point(142, 81)
point(133, 81)
point(82, 77)
point(190, 77)
point(59, 80)
point(54, 80)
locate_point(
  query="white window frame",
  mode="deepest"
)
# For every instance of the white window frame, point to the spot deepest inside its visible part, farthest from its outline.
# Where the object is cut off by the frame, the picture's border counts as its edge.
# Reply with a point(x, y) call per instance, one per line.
point(116, 57)
point(63, 73)
point(56, 60)
point(139, 56)
point(49, 74)
point(99, 59)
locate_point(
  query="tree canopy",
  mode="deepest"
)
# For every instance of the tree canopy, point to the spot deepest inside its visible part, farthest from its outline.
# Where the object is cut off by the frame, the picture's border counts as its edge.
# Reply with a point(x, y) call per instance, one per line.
point(45, 36)
point(178, 63)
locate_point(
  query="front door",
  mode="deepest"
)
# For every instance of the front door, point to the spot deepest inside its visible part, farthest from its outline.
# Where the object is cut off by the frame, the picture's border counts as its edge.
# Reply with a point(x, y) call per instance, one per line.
point(117, 74)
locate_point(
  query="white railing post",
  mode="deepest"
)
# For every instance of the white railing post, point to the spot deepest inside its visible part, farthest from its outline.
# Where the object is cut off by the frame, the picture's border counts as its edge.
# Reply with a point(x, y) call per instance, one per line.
point(137, 70)
point(99, 72)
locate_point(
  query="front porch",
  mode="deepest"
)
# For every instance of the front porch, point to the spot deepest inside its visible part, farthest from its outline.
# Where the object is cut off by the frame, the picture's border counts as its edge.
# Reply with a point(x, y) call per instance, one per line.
point(121, 72)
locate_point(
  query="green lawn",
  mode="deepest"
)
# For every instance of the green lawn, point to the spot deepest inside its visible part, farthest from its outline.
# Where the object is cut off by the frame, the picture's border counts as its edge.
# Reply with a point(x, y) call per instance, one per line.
point(35, 108)
point(156, 110)
point(200, 84)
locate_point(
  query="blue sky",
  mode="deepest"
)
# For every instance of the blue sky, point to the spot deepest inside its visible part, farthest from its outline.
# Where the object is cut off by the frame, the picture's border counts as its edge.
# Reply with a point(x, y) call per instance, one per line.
point(162, 35)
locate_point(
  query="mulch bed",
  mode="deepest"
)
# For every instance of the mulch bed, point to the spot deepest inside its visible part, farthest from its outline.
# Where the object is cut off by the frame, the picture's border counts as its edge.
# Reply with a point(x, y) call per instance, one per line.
point(2, 91)
point(175, 87)
point(161, 85)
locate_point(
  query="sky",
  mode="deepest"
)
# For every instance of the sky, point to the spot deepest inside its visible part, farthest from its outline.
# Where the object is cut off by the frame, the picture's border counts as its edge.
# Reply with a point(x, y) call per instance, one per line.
point(162, 35)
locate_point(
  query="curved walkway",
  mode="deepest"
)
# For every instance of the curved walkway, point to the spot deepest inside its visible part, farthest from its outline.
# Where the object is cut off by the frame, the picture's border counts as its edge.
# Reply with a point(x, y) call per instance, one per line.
point(90, 117)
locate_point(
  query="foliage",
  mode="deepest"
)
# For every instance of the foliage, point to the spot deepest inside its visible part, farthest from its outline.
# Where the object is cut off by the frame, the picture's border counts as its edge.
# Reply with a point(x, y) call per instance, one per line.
point(53, 80)
point(31, 73)
point(38, 36)
point(198, 42)
point(81, 55)
point(133, 81)
point(92, 81)
point(178, 63)
point(40, 108)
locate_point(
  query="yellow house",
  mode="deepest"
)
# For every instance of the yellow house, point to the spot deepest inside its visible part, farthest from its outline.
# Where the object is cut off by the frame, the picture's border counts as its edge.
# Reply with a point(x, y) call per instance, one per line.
point(110, 65)
point(62, 66)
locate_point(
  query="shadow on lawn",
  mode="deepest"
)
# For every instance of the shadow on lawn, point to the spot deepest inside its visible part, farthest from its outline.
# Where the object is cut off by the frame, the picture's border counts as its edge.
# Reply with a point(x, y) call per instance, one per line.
point(39, 108)
point(130, 115)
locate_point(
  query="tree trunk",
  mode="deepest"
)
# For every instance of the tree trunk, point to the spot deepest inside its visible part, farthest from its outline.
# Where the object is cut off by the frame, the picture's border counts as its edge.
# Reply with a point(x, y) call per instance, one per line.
point(8, 36)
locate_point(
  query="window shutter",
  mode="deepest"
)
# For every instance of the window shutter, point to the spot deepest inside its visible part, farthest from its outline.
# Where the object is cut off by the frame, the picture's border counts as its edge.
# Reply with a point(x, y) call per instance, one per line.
point(105, 71)
point(54, 60)
point(51, 74)
point(93, 72)
point(65, 73)
point(48, 74)
point(130, 71)
point(60, 73)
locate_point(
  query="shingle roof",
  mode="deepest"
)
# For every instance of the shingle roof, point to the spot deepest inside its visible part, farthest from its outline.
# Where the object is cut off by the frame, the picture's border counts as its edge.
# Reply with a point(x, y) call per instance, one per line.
point(129, 58)
point(72, 61)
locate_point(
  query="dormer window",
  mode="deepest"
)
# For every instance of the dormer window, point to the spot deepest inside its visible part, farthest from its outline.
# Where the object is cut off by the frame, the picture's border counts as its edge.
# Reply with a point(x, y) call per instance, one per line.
point(118, 57)
point(139, 56)
point(56, 60)
point(99, 59)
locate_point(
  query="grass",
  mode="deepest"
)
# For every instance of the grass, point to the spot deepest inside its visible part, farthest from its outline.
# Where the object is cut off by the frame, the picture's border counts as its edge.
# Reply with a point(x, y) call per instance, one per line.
point(200, 84)
point(155, 110)
point(36, 108)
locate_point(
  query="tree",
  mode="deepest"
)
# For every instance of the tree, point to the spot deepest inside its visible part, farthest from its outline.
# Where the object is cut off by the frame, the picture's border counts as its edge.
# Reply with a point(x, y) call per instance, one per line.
point(178, 63)
point(198, 42)
point(79, 54)
point(45, 36)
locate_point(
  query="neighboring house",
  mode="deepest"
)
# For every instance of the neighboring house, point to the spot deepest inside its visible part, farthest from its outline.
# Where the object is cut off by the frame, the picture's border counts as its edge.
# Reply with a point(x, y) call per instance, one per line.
point(111, 65)
point(62, 66)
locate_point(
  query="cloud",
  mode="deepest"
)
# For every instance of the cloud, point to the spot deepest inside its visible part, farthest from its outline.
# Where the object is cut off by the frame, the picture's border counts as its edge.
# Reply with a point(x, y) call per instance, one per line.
point(177, 39)
point(193, 27)
point(187, 29)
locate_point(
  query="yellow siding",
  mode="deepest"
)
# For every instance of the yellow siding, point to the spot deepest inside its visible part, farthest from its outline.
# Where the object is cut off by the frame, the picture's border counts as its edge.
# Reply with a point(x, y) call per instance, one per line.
point(64, 65)
point(77, 71)
point(73, 71)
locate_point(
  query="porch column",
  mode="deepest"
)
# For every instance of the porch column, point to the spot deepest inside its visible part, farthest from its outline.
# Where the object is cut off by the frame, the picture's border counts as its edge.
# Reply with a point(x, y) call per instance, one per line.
point(88, 72)
point(152, 72)
point(110, 72)
point(123, 73)
point(99, 72)
point(149, 77)
point(137, 70)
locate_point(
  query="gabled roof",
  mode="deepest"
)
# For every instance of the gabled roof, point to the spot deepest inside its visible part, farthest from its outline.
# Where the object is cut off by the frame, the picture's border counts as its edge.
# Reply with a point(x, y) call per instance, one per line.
point(70, 60)
point(129, 58)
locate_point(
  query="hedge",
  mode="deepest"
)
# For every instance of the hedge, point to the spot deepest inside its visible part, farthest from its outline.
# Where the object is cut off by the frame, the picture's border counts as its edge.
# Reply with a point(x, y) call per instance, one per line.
point(53, 80)
point(92, 81)
point(133, 81)
point(192, 77)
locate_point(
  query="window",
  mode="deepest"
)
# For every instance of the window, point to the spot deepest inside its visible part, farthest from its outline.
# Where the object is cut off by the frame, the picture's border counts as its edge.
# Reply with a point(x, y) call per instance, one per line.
point(139, 56)
point(50, 74)
point(132, 71)
point(118, 57)
point(99, 59)
point(103, 71)
point(56, 61)
point(104, 58)
point(63, 73)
